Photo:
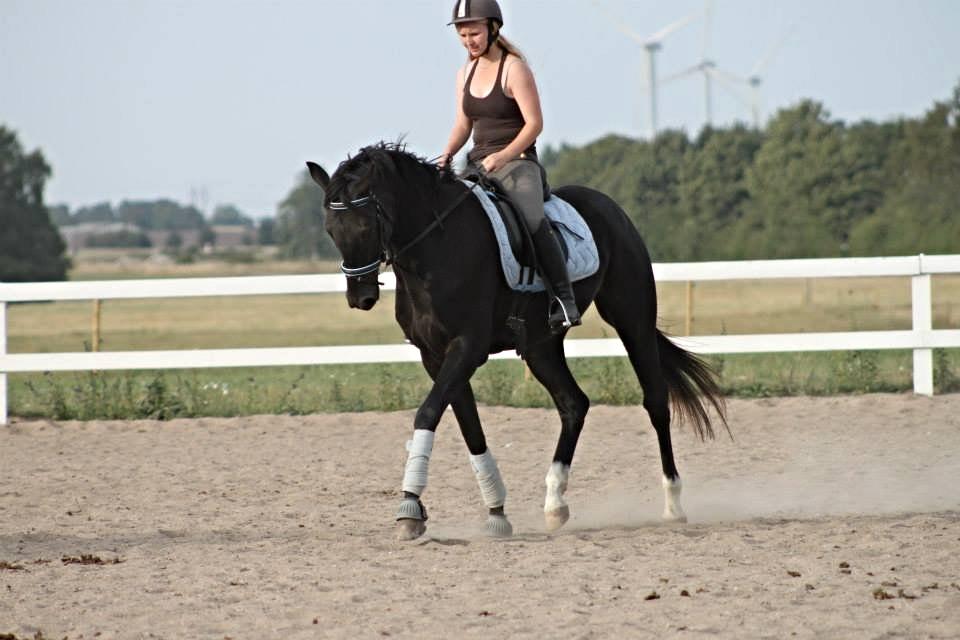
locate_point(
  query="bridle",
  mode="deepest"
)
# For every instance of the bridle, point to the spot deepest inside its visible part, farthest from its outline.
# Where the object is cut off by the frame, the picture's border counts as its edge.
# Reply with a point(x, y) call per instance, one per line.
point(385, 228)
point(359, 203)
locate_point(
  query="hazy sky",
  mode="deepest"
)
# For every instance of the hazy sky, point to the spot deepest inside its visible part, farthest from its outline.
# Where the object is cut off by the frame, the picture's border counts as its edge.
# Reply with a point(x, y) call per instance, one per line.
point(222, 101)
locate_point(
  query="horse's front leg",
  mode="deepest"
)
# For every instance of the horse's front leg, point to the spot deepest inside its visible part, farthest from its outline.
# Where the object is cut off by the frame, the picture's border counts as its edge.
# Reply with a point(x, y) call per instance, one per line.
point(459, 362)
point(492, 489)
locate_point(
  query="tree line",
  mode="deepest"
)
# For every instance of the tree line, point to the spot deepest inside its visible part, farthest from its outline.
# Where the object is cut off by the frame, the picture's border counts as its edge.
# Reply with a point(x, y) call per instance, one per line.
point(804, 186)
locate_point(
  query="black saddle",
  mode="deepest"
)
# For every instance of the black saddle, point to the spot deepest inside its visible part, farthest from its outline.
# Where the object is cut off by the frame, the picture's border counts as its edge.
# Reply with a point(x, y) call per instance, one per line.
point(521, 241)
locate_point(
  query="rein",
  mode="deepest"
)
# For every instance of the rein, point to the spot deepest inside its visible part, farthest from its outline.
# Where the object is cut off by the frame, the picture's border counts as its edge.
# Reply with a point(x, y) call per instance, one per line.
point(437, 222)
point(385, 256)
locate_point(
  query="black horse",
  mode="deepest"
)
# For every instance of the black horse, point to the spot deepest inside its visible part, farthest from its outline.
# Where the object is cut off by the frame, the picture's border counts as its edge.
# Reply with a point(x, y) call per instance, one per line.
point(452, 302)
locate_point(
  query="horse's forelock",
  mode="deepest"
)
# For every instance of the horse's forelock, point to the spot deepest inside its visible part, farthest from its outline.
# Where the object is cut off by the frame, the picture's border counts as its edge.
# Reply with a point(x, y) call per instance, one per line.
point(350, 171)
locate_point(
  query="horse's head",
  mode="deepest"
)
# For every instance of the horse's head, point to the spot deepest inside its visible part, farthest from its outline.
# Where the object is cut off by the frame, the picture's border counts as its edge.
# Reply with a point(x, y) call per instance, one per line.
point(355, 221)
point(367, 193)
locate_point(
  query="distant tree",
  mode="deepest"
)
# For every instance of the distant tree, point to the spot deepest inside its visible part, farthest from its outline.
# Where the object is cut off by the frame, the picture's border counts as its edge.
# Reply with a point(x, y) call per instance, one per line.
point(174, 241)
point(227, 214)
point(921, 210)
point(100, 212)
point(598, 164)
point(713, 190)
point(31, 248)
point(643, 177)
point(549, 155)
point(160, 214)
point(265, 232)
point(804, 188)
point(299, 227)
point(651, 175)
point(870, 145)
point(59, 214)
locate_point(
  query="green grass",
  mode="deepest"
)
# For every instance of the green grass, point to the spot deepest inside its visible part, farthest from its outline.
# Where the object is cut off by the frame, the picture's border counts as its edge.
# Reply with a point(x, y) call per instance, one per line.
point(335, 388)
point(324, 319)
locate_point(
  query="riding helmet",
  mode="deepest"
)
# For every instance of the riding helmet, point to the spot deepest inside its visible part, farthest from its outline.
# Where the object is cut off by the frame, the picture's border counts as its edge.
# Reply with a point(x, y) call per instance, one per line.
point(473, 10)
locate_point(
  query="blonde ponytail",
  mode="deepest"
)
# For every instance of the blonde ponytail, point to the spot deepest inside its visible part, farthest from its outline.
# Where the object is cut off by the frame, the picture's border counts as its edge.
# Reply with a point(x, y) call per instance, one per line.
point(510, 48)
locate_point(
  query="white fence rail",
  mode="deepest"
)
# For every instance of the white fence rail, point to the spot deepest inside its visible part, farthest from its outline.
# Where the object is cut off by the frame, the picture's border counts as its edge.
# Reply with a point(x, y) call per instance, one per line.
point(922, 339)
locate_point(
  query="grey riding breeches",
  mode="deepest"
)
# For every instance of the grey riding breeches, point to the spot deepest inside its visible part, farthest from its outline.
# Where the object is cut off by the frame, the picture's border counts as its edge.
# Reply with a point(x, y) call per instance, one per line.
point(524, 183)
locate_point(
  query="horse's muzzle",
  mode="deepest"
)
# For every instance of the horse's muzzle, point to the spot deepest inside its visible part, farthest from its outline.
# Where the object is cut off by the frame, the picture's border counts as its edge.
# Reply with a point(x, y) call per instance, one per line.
point(362, 295)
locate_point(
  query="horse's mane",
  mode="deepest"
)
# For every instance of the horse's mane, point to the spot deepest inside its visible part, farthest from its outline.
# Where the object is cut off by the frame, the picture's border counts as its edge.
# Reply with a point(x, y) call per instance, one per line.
point(387, 162)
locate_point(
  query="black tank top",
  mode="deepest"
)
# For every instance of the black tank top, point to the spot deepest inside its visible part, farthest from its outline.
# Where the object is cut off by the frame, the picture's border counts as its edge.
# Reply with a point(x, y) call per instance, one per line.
point(496, 119)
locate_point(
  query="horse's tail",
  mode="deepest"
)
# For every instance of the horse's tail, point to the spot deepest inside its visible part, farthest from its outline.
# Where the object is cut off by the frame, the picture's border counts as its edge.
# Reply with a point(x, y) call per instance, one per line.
point(690, 380)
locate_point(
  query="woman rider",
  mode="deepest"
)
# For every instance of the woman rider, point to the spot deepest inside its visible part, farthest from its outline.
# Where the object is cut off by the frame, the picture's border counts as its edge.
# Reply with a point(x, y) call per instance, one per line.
point(497, 100)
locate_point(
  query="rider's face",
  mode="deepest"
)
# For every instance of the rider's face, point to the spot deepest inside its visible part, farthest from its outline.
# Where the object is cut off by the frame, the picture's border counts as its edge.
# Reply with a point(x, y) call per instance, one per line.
point(473, 37)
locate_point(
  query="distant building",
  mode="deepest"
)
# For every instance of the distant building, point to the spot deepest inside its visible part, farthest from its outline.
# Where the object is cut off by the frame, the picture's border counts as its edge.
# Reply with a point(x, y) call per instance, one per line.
point(226, 236)
point(230, 236)
point(77, 235)
point(161, 239)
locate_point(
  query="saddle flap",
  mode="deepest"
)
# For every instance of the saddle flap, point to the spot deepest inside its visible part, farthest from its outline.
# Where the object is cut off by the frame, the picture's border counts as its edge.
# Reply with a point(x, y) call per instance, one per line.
point(520, 244)
point(576, 241)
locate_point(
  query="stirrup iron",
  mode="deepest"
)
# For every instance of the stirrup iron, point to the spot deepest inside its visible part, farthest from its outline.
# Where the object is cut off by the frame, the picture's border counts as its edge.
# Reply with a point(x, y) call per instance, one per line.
point(559, 315)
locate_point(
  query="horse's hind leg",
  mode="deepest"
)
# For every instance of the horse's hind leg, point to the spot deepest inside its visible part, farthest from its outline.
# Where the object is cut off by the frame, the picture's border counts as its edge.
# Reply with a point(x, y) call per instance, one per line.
point(549, 366)
point(641, 344)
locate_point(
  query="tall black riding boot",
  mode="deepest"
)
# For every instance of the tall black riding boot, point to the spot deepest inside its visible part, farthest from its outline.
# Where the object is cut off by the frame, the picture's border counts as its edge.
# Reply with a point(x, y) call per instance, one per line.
point(563, 312)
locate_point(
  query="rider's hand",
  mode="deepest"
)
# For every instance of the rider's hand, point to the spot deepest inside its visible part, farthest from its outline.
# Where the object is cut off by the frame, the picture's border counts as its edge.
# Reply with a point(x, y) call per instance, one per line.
point(444, 160)
point(493, 162)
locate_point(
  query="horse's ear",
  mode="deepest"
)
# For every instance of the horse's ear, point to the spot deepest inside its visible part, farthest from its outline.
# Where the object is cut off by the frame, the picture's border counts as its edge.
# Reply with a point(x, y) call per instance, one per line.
point(318, 174)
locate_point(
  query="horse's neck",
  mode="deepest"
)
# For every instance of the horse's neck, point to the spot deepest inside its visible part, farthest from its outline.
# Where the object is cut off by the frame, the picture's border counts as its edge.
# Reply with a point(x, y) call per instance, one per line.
point(413, 214)
point(448, 251)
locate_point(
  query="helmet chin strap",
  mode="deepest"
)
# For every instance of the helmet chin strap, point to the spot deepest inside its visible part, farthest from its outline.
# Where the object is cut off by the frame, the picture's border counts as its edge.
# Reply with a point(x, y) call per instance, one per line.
point(493, 37)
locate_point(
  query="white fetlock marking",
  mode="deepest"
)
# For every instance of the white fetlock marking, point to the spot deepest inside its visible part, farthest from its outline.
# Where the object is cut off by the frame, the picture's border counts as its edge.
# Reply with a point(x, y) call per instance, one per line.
point(418, 461)
point(492, 489)
point(671, 500)
point(556, 481)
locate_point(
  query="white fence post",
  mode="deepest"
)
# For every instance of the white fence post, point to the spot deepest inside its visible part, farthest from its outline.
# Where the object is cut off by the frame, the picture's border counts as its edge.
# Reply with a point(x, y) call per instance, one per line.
point(922, 323)
point(3, 351)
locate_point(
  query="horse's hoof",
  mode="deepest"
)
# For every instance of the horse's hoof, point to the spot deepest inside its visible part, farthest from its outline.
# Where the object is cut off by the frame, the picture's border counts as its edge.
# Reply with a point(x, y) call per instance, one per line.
point(671, 517)
point(411, 519)
point(557, 518)
point(498, 526)
point(408, 529)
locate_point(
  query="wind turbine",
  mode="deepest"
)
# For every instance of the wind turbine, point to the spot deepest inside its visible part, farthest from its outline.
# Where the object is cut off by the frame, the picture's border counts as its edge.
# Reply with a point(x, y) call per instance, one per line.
point(731, 82)
point(754, 80)
point(706, 66)
point(651, 45)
